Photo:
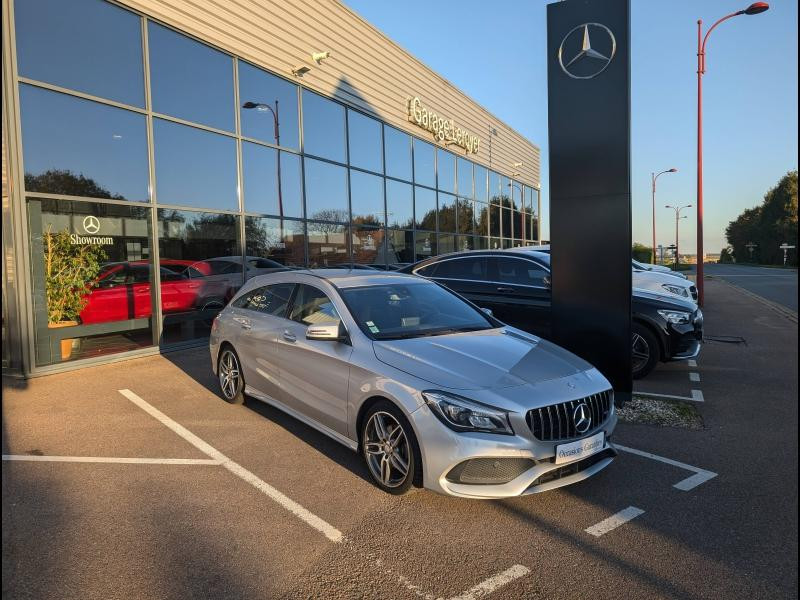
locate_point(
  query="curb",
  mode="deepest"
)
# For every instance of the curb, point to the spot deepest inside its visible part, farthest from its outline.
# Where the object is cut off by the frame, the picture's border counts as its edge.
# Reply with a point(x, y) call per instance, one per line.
point(781, 310)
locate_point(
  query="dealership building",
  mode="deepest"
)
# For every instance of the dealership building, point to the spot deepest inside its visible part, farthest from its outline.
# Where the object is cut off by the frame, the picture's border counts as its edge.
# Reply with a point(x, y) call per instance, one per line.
point(221, 140)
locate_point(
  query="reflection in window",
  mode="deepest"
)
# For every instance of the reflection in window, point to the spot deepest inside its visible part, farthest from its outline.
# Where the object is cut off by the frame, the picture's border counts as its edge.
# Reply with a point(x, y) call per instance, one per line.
point(194, 167)
point(399, 204)
point(465, 243)
point(190, 80)
point(465, 216)
point(425, 208)
point(481, 219)
point(481, 191)
point(323, 127)
point(506, 226)
point(326, 191)
point(311, 306)
point(91, 274)
point(366, 198)
point(495, 192)
point(90, 46)
point(425, 245)
point(400, 247)
point(82, 148)
point(265, 240)
point(465, 178)
point(424, 166)
point(447, 243)
point(260, 170)
point(364, 137)
point(447, 212)
point(272, 95)
point(368, 245)
point(398, 153)
point(327, 245)
point(196, 248)
point(494, 220)
point(446, 166)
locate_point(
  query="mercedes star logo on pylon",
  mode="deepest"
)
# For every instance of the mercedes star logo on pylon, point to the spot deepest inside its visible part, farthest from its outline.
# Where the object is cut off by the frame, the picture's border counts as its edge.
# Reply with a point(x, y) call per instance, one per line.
point(91, 224)
point(587, 61)
point(581, 418)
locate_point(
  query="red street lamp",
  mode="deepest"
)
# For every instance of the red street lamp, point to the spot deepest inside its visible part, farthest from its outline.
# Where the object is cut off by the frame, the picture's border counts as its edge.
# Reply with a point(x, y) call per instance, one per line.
point(655, 176)
point(753, 9)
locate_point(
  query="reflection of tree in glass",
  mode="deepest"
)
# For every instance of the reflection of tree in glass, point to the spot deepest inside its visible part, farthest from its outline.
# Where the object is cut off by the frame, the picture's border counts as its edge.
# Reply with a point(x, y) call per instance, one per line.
point(212, 227)
point(447, 217)
point(428, 221)
point(368, 220)
point(62, 181)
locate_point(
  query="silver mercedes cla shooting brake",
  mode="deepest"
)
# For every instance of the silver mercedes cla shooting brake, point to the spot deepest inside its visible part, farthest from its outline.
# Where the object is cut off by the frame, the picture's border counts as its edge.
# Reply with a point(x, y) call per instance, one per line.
point(428, 388)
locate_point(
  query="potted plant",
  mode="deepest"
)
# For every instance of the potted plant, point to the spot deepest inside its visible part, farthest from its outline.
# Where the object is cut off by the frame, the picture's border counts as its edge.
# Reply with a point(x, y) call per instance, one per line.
point(70, 270)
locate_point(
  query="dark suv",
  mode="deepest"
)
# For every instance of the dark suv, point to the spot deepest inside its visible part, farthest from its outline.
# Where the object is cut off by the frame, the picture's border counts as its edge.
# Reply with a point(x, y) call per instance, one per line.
point(515, 285)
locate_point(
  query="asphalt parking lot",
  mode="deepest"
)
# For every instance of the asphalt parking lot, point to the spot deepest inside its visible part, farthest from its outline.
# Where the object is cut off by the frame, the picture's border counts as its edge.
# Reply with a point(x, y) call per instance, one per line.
point(135, 480)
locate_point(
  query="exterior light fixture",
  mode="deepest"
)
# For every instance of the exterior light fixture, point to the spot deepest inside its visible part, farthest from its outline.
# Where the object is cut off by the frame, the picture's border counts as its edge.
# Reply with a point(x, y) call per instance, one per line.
point(300, 71)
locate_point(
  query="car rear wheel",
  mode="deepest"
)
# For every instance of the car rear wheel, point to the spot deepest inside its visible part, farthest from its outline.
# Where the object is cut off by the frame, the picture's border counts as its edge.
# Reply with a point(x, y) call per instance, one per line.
point(389, 448)
point(231, 380)
point(645, 352)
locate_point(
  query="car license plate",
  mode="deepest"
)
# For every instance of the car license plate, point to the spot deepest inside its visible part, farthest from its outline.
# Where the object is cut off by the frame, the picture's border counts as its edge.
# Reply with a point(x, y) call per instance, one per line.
point(580, 449)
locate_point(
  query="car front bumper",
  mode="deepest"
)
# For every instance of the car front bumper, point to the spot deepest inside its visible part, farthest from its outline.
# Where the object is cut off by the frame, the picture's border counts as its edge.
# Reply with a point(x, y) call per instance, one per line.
point(443, 449)
point(686, 340)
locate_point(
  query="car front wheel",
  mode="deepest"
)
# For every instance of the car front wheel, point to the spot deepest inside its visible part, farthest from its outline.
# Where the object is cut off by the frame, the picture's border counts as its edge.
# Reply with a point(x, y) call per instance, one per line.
point(389, 448)
point(645, 352)
point(231, 380)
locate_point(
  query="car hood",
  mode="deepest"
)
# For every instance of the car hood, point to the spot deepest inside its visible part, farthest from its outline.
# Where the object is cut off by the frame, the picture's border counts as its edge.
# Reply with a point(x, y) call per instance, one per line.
point(493, 358)
point(650, 280)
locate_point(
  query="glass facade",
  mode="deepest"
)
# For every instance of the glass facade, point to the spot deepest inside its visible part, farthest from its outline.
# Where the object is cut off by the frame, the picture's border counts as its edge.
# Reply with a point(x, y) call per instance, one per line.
point(161, 173)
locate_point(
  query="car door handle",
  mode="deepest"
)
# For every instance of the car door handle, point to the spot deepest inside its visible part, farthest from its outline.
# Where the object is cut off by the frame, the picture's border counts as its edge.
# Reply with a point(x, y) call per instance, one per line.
point(245, 323)
point(505, 289)
point(289, 336)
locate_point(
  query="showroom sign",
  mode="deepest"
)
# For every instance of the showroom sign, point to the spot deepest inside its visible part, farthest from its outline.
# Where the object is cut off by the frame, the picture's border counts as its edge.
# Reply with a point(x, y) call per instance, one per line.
point(91, 225)
point(444, 130)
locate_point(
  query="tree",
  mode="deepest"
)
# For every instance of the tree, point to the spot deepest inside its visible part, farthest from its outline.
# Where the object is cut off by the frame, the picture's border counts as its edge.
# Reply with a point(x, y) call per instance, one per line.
point(62, 181)
point(641, 252)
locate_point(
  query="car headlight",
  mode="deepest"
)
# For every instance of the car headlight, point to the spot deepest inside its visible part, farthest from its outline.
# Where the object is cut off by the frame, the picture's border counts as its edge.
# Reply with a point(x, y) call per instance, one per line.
point(675, 289)
point(676, 317)
point(460, 414)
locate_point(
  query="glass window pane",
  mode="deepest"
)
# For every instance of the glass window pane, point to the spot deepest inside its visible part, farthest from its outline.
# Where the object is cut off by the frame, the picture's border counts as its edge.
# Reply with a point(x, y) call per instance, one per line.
point(398, 153)
point(364, 137)
point(447, 243)
point(190, 80)
point(194, 167)
point(465, 243)
point(481, 192)
point(506, 227)
point(465, 216)
point(424, 167)
point(519, 272)
point(494, 188)
point(516, 195)
point(326, 191)
point(446, 166)
point(192, 292)
point(272, 95)
point(366, 199)
point(90, 46)
point(425, 208)
point(260, 171)
point(399, 204)
point(425, 245)
point(311, 306)
point(368, 245)
point(323, 127)
point(82, 148)
point(400, 247)
point(265, 240)
point(447, 212)
point(494, 220)
point(269, 300)
point(481, 218)
point(465, 178)
point(100, 248)
point(327, 245)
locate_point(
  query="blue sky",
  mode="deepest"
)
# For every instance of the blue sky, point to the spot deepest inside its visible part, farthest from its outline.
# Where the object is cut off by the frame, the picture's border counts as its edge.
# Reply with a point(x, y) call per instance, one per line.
point(750, 93)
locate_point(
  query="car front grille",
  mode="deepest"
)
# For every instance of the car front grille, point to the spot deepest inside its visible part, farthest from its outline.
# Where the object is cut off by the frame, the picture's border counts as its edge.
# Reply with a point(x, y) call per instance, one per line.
point(556, 422)
point(693, 292)
point(488, 471)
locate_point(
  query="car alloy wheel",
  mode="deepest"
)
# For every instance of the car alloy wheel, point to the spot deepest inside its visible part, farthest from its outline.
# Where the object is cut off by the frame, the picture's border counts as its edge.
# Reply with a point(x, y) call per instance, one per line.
point(231, 381)
point(640, 352)
point(387, 450)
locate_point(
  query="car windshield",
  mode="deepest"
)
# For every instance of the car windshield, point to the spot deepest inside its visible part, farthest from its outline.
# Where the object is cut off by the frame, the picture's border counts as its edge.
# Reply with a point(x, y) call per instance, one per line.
point(397, 311)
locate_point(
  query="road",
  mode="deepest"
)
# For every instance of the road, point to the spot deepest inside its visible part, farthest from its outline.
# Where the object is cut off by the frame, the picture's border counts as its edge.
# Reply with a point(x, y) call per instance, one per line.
point(776, 285)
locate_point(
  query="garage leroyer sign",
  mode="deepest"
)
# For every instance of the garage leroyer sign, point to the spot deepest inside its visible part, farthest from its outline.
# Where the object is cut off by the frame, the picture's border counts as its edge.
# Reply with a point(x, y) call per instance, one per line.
point(444, 130)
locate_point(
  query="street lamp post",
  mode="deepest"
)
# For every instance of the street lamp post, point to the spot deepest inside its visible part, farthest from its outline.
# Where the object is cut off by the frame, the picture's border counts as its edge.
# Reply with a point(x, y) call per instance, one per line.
point(260, 106)
point(654, 177)
point(753, 9)
point(678, 217)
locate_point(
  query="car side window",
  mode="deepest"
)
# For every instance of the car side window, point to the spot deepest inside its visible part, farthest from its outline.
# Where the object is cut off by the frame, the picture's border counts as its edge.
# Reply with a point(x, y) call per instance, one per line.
point(269, 300)
point(311, 305)
point(471, 268)
point(519, 271)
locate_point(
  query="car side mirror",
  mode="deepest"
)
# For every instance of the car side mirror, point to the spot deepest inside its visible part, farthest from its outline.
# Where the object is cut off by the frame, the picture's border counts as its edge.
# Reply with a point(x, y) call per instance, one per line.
point(326, 332)
point(488, 311)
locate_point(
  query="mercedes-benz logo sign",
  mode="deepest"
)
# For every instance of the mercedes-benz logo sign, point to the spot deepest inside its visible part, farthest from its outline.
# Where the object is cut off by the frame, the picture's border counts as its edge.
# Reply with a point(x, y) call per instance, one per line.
point(91, 225)
point(582, 418)
point(587, 62)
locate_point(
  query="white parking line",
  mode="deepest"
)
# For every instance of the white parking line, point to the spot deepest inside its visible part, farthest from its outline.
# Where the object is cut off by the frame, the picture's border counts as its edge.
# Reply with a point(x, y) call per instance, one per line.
point(694, 377)
point(700, 475)
point(697, 396)
point(325, 528)
point(112, 459)
point(692, 363)
point(614, 521)
point(486, 587)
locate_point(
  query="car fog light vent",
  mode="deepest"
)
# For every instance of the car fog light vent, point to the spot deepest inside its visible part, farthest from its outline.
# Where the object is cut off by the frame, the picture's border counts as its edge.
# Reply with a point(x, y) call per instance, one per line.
point(489, 471)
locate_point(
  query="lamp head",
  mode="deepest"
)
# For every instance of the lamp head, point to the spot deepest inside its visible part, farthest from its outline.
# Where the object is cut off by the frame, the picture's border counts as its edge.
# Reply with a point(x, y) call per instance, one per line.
point(673, 170)
point(755, 8)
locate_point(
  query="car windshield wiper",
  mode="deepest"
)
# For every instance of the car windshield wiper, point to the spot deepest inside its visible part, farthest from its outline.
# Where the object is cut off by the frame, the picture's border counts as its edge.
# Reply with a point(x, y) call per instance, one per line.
point(432, 332)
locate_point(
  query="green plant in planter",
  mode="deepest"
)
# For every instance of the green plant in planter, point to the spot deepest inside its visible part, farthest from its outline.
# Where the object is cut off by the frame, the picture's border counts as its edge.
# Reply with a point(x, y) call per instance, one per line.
point(70, 270)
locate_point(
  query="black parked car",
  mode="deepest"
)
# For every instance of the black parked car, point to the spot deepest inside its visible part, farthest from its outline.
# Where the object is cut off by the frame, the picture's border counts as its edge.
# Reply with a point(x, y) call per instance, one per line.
point(515, 285)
